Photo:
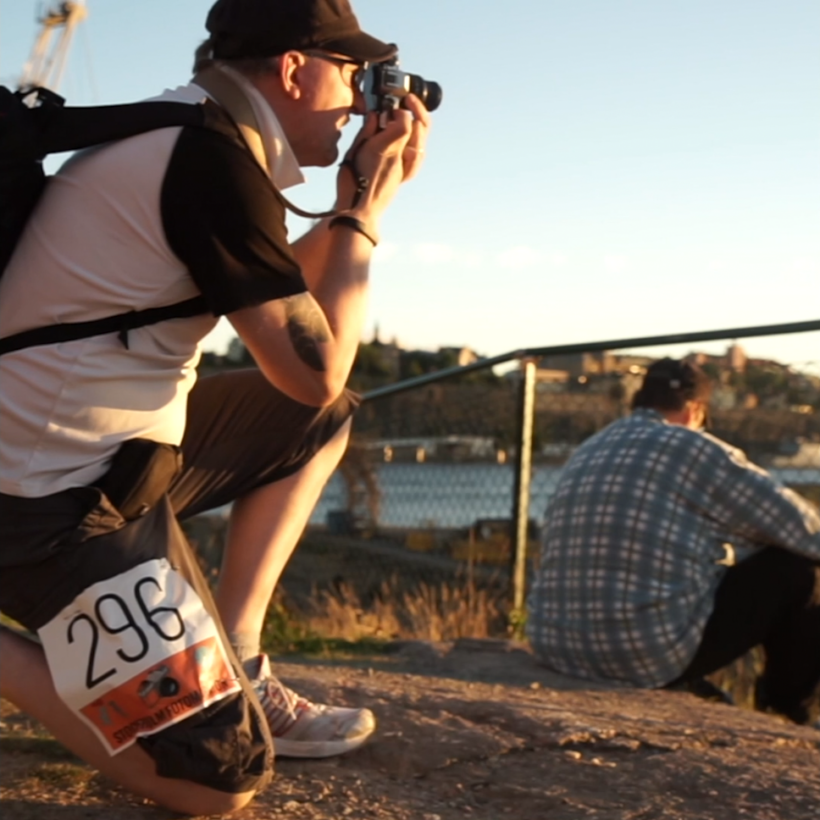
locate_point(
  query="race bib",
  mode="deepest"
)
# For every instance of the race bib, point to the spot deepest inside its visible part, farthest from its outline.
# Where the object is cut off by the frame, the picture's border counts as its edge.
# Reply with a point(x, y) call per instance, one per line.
point(137, 653)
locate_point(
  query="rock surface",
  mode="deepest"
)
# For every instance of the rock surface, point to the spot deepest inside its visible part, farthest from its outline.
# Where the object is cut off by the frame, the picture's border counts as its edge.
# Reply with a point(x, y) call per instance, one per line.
point(477, 729)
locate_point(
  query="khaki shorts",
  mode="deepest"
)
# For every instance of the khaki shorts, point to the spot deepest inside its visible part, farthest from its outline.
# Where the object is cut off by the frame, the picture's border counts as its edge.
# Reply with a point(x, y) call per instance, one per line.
point(241, 433)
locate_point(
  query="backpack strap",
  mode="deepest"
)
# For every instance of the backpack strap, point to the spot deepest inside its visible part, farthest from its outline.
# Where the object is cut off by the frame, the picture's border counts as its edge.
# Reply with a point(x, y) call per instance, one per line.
point(75, 128)
point(61, 129)
point(119, 324)
point(67, 129)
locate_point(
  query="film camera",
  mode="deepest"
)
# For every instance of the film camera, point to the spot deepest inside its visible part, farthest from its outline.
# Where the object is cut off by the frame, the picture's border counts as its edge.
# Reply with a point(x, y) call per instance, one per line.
point(386, 86)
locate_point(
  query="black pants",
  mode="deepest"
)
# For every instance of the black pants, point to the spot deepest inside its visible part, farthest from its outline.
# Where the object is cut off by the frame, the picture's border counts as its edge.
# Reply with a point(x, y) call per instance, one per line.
point(241, 433)
point(771, 600)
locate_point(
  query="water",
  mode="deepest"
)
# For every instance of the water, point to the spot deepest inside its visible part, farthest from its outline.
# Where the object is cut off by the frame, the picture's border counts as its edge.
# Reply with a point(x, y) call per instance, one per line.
point(455, 495)
point(442, 495)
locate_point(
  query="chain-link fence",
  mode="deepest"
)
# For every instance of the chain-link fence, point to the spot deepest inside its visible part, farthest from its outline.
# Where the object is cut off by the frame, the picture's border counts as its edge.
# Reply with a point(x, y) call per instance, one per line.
point(430, 528)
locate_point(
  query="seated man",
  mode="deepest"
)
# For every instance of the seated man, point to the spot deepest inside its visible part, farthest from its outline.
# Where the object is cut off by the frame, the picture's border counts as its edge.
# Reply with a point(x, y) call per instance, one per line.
point(667, 555)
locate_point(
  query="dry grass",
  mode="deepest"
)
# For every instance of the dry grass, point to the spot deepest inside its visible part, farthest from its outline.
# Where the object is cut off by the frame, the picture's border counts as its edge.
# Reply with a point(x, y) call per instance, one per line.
point(738, 679)
point(342, 616)
point(810, 492)
point(424, 612)
point(427, 612)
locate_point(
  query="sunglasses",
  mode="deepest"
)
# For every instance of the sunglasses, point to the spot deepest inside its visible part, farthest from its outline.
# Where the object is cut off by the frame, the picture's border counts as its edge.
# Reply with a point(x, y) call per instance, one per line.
point(356, 79)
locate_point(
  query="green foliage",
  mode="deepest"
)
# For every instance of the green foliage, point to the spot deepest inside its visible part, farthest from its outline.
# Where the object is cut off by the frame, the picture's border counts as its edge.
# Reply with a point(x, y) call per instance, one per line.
point(371, 360)
point(420, 362)
point(378, 365)
point(810, 492)
point(516, 622)
point(765, 382)
point(712, 370)
point(288, 633)
point(284, 631)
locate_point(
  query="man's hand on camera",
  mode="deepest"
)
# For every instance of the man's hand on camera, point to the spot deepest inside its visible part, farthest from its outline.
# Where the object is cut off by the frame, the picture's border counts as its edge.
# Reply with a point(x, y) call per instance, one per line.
point(385, 158)
point(413, 154)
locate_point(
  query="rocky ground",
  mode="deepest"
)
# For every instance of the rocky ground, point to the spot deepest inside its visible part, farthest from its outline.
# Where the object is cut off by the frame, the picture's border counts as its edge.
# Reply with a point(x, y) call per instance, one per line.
point(477, 730)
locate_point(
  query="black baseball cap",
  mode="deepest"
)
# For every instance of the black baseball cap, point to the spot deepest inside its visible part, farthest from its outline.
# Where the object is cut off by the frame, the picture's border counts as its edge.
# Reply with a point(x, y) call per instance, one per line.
point(670, 383)
point(245, 29)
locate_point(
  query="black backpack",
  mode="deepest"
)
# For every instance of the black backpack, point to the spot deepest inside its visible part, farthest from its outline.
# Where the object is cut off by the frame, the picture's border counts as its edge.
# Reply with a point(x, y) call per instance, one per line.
point(36, 123)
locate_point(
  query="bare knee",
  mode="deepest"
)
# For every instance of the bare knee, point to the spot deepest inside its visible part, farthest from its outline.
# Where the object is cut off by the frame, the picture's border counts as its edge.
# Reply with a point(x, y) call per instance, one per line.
point(26, 682)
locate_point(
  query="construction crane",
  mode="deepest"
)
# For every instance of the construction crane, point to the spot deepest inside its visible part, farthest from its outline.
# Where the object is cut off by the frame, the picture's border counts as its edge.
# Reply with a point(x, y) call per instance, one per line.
point(46, 64)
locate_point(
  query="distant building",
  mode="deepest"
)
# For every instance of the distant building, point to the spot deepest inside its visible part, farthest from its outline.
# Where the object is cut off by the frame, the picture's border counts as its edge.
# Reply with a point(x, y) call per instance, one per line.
point(578, 364)
point(724, 397)
point(550, 381)
point(462, 355)
point(736, 358)
point(599, 363)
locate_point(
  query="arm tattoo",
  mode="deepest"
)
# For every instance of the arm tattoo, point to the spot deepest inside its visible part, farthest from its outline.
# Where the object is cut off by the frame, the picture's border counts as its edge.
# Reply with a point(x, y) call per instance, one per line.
point(307, 327)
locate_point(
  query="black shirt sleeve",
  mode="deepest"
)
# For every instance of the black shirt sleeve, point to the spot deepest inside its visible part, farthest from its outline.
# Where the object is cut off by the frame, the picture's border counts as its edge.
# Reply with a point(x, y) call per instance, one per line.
point(225, 221)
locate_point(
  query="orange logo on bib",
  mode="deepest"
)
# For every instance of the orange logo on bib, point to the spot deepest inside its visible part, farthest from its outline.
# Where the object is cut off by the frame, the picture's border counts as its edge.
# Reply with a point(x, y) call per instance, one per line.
point(181, 685)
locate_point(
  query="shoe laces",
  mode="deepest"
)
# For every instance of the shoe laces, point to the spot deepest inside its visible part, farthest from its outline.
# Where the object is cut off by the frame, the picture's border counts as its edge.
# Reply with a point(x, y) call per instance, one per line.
point(283, 697)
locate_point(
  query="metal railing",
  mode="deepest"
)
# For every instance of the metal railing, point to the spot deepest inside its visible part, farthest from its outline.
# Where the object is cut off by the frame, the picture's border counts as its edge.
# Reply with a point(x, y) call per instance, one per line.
point(438, 487)
point(526, 404)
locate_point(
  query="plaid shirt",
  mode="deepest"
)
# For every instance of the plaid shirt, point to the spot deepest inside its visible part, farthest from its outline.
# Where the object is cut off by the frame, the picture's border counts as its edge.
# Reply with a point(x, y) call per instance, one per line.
point(639, 533)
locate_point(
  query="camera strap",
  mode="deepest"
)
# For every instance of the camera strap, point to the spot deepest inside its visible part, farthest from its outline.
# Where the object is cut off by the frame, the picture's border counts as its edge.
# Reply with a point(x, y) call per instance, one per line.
point(361, 181)
point(232, 98)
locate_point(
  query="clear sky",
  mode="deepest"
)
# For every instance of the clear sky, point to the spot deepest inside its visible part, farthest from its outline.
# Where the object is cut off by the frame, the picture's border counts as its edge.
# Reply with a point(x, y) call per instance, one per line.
point(599, 169)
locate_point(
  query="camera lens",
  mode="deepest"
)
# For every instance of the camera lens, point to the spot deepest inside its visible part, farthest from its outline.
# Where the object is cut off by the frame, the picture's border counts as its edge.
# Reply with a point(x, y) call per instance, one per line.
point(428, 92)
point(168, 687)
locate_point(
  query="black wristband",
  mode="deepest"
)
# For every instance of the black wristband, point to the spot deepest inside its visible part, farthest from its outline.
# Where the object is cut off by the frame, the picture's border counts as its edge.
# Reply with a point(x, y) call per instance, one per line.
point(356, 224)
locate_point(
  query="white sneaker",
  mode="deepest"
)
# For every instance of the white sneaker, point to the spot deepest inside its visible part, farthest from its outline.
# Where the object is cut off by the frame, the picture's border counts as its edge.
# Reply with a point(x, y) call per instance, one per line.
point(304, 729)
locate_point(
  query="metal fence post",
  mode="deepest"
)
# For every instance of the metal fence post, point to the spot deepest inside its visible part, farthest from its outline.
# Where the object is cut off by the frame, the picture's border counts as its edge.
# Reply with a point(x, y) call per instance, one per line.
point(521, 493)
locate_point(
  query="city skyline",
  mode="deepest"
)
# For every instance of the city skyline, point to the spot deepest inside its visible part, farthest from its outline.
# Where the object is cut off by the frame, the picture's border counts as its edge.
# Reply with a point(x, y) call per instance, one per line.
point(727, 354)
